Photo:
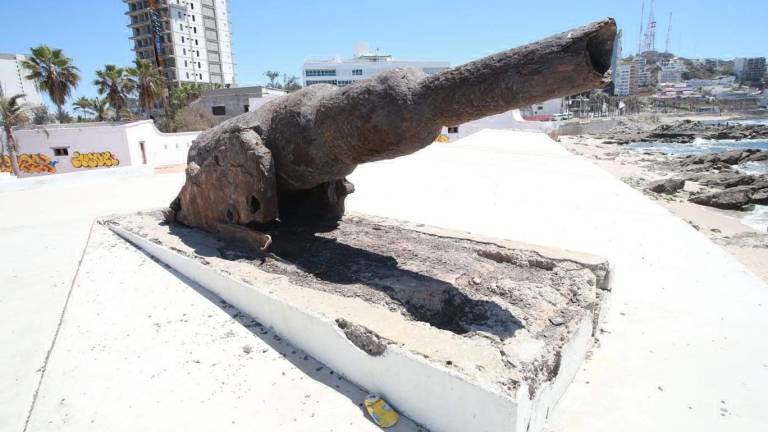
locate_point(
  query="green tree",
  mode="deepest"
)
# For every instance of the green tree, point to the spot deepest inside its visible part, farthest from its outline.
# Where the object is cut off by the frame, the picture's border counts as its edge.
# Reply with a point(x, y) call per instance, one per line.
point(184, 94)
point(150, 84)
point(272, 75)
point(53, 73)
point(116, 85)
point(100, 108)
point(13, 112)
point(41, 115)
point(291, 83)
point(83, 104)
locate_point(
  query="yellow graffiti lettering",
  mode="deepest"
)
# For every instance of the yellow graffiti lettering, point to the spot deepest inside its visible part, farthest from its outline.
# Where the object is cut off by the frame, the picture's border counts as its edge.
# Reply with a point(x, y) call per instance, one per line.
point(442, 139)
point(30, 163)
point(94, 160)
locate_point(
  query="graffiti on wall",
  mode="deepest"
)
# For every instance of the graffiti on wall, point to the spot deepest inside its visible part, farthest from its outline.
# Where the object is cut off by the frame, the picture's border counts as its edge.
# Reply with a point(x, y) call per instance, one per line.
point(31, 164)
point(94, 160)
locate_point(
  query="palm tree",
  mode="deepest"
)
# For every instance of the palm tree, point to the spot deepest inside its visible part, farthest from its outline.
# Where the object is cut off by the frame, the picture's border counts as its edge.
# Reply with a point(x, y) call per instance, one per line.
point(83, 105)
point(12, 113)
point(150, 83)
point(53, 73)
point(117, 85)
point(100, 108)
point(272, 75)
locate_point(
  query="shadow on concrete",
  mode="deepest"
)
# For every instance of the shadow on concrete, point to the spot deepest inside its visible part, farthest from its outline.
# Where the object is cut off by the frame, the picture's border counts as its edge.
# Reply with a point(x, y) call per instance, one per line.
point(312, 368)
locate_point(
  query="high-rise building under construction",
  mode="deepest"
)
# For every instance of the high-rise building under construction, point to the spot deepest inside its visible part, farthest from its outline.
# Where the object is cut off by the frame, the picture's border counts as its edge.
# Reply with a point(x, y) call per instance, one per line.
point(189, 40)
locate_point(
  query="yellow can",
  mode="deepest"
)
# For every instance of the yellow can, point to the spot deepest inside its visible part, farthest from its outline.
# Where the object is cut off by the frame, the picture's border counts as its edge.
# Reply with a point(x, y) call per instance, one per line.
point(380, 411)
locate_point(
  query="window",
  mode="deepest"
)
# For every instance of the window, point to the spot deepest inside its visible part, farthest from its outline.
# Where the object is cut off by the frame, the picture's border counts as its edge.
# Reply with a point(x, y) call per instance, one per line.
point(199, 66)
point(320, 72)
point(246, 108)
point(193, 18)
point(219, 110)
point(357, 72)
point(182, 39)
point(453, 130)
point(186, 64)
point(181, 27)
point(61, 151)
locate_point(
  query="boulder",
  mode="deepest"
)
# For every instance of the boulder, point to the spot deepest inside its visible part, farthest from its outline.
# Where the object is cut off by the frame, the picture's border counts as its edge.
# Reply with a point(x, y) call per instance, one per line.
point(668, 186)
point(760, 197)
point(729, 199)
point(721, 180)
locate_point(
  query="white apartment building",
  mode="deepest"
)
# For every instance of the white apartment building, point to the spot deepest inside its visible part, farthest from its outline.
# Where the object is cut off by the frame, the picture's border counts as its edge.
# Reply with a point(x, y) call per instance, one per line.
point(750, 69)
point(622, 79)
point(12, 81)
point(672, 71)
point(364, 65)
point(189, 39)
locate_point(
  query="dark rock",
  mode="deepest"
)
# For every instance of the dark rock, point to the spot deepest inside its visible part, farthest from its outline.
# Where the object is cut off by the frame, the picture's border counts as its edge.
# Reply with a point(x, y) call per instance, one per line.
point(760, 197)
point(667, 186)
point(730, 199)
point(721, 180)
point(756, 157)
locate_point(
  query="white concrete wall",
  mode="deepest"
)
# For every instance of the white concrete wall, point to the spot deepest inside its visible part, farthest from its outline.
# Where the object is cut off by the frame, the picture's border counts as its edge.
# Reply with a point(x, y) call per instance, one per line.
point(106, 145)
point(161, 148)
point(510, 120)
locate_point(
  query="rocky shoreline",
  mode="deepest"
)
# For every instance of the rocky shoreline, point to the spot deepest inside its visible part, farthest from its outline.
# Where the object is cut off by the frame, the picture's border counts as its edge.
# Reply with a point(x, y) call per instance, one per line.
point(710, 191)
point(720, 184)
point(686, 131)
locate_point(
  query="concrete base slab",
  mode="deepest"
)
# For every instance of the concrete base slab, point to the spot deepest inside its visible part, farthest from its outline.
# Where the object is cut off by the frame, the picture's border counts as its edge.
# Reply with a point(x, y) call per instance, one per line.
point(143, 349)
point(489, 376)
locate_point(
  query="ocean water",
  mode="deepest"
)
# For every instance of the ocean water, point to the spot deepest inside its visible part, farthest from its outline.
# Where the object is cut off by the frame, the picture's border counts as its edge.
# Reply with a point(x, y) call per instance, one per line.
point(741, 122)
point(700, 146)
point(757, 218)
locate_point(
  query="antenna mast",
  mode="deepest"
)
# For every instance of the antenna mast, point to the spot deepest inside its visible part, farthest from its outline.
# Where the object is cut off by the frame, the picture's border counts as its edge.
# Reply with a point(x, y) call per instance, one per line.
point(650, 35)
point(642, 24)
point(669, 34)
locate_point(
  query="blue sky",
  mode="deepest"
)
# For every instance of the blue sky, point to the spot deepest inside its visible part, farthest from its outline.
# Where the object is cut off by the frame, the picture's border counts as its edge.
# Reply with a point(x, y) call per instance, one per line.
point(279, 36)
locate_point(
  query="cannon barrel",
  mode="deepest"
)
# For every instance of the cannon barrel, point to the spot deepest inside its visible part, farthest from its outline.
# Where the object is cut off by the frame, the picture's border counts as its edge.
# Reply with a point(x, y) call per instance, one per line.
point(289, 158)
point(402, 111)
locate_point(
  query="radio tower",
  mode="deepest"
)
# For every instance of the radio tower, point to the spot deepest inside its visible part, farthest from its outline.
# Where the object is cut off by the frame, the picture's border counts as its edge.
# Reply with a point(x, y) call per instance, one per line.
point(669, 35)
point(650, 35)
point(640, 41)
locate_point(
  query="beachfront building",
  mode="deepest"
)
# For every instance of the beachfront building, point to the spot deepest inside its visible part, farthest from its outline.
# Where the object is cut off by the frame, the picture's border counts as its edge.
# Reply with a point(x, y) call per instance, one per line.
point(189, 39)
point(721, 81)
point(13, 81)
point(750, 69)
point(226, 103)
point(622, 79)
point(672, 71)
point(342, 72)
point(77, 147)
point(670, 90)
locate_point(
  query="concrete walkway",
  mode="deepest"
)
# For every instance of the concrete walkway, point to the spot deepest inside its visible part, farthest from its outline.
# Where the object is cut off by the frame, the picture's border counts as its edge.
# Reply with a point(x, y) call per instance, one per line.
point(685, 344)
point(130, 346)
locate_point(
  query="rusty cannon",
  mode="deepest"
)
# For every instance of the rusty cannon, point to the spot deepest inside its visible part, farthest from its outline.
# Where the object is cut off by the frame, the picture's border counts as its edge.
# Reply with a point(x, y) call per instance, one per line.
point(288, 160)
